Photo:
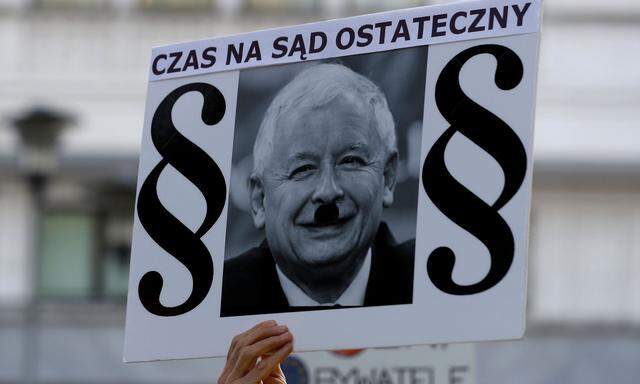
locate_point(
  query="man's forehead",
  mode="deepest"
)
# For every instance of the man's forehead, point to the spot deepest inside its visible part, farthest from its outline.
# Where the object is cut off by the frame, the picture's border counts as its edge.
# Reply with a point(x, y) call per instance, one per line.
point(351, 106)
point(334, 139)
point(340, 115)
point(338, 126)
point(304, 152)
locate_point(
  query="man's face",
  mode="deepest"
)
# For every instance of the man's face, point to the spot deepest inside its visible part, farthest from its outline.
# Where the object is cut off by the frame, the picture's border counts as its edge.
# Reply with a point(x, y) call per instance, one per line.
point(332, 155)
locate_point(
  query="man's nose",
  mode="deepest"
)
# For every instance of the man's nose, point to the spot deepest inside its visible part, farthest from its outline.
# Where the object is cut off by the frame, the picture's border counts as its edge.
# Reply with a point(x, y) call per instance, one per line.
point(328, 189)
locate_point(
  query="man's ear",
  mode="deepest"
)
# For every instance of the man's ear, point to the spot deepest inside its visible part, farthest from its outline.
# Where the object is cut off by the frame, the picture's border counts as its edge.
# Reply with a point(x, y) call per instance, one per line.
point(256, 197)
point(390, 173)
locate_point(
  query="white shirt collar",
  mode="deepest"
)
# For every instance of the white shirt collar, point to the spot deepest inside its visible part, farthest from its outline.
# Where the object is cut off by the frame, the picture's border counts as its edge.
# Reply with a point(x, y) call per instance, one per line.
point(352, 296)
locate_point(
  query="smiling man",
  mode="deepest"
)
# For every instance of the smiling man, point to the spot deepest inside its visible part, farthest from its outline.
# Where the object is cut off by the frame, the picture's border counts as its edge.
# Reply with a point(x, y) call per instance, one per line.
point(325, 162)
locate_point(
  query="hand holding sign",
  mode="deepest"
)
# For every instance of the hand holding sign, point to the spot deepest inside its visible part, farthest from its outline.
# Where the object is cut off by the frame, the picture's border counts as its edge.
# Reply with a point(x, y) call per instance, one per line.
point(255, 355)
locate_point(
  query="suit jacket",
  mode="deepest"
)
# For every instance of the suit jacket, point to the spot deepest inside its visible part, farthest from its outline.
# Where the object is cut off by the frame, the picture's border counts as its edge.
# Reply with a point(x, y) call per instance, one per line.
point(250, 284)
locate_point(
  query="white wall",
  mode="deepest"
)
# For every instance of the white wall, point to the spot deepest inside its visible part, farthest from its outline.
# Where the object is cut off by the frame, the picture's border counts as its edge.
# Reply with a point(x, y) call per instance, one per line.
point(585, 260)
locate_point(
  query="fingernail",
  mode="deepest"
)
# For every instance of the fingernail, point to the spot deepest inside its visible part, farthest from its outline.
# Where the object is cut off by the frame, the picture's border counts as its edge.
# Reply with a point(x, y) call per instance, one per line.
point(281, 328)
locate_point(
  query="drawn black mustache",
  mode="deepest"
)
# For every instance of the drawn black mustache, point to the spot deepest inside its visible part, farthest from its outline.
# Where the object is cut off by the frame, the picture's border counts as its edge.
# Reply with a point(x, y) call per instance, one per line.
point(326, 214)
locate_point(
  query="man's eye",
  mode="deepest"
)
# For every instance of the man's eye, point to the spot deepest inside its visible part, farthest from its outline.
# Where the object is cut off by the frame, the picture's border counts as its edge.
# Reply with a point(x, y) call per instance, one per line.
point(353, 160)
point(301, 171)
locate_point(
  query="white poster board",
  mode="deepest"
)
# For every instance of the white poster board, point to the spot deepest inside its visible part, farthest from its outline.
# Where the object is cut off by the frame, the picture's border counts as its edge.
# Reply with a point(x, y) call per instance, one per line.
point(365, 181)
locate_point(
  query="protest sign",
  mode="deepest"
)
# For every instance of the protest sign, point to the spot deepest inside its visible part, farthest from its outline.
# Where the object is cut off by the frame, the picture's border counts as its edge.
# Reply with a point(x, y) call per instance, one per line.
point(366, 181)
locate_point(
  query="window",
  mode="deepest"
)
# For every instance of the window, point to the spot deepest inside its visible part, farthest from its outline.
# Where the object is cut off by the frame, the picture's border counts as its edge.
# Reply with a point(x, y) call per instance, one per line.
point(115, 257)
point(177, 4)
point(71, 4)
point(85, 253)
point(283, 5)
point(66, 267)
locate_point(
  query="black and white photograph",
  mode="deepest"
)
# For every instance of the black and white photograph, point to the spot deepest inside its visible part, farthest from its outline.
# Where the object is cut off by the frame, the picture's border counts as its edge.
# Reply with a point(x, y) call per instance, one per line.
point(324, 184)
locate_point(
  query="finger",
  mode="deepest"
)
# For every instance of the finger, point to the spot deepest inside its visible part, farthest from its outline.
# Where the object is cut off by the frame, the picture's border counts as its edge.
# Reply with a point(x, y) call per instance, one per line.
point(241, 339)
point(224, 376)
point(266, 366)
point(245, 353)
point(225, 373)
point(254, 335)
point(248, 355)
point(277, 372)
point(259, 333)
point(276, 376)
point(235, 343)
point(238, 338)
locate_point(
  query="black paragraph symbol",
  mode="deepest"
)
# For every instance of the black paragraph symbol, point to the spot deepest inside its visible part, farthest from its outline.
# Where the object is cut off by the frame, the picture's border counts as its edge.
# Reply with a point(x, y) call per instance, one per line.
point(453, 199)
point(164, 228)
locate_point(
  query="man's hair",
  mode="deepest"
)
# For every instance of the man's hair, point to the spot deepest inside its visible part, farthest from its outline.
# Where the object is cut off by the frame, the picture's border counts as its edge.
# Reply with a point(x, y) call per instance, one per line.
point(315, 87)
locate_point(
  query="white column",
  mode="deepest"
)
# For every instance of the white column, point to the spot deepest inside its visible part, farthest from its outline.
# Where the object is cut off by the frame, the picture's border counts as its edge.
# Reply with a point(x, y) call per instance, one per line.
point(15, 242)
point(335, 8)
point(14, 4)
point(230, 7)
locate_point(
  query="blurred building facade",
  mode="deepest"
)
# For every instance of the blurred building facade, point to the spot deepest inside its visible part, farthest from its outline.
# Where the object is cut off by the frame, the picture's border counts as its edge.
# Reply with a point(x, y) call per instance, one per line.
point(89, 58)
